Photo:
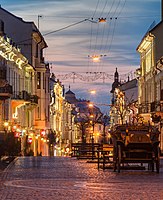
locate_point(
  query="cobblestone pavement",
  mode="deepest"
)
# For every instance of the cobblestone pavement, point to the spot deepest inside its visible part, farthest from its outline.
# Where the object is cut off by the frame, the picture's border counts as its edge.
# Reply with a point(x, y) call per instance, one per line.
point(63, 178)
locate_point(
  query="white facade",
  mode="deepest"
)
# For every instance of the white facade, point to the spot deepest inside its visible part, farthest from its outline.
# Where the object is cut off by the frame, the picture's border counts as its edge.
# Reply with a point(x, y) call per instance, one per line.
point(56, 112)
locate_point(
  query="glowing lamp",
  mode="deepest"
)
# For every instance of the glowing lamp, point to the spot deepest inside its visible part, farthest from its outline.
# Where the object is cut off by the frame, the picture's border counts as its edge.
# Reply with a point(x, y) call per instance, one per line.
point(93, 91)
point(17, 134)
point(29, 141)
point(102, 19)
point(96, 58)
point(6, 124)
point(90, 105)
point(42, 133)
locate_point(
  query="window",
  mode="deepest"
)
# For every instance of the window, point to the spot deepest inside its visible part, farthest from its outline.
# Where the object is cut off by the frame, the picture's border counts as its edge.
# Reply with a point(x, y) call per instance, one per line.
point(38, 112)
point(44, 80)
point(37, 51)
point(41, 56)
point(48, 112)
point(48, 84)
point(148, 61)
point(38, 80)
point(161, 95)
point(2, 74)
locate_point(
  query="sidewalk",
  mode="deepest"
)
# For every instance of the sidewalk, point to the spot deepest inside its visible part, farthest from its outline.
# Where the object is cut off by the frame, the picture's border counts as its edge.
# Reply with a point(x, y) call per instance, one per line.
point(5, 161)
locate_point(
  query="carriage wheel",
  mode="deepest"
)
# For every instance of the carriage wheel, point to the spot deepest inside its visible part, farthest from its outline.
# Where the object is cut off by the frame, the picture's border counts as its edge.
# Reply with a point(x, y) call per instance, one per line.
point(158, 160)
point(119, 158)
point(152, 166)
point(114, 166)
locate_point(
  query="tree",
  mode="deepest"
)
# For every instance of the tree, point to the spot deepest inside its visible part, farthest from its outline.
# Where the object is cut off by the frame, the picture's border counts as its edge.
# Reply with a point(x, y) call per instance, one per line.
point(83, 122)
point(123, 105)
point(86, 117)
point(105, 120)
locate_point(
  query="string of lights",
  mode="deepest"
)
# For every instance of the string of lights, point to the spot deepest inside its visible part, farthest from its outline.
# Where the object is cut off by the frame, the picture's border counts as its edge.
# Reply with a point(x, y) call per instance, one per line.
point(91, 76)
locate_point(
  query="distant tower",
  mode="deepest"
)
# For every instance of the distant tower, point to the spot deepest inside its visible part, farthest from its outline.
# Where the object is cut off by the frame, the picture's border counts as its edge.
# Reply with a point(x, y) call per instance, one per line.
point(70, 96)
point(116, 82)
point(116, 76)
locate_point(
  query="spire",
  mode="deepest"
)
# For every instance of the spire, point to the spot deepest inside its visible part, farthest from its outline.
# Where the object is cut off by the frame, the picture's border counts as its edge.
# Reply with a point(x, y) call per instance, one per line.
point(116, 82)
point(116, 76)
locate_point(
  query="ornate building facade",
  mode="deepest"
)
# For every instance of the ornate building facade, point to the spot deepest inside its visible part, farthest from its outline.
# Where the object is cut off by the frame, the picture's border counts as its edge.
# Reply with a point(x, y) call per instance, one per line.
point(151, 77)
point(27, 36)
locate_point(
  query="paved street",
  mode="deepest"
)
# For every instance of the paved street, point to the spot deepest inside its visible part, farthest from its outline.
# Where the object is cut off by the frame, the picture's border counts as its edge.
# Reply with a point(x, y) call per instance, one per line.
point(63, 178)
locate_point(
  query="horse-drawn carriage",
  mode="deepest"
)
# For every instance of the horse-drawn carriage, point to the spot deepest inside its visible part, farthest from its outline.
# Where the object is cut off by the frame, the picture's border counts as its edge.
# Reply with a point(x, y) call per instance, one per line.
point(136, 144)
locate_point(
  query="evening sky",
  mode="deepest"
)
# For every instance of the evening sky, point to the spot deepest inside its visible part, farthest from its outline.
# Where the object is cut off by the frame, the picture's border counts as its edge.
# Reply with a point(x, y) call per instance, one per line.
point(73, 33)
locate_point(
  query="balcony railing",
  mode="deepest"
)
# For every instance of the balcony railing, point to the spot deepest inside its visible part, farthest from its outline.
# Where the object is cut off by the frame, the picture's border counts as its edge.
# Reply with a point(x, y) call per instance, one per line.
point(144, 108)
point(153, 106)
point(34, 99)
point(150, 107)
point(23, 95)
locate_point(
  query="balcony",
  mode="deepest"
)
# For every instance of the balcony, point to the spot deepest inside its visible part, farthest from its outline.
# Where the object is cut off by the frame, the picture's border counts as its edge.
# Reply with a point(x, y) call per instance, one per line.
point(34, 99)
point(144, 108)
point(20, 98)
point(33, 102)
point(5, 92)
point(25, 95)
point(153, 106)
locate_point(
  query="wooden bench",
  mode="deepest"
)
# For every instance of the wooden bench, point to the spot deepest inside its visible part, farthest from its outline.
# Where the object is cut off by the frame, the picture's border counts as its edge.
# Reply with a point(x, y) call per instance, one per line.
point(85, 150)
point(105, 155)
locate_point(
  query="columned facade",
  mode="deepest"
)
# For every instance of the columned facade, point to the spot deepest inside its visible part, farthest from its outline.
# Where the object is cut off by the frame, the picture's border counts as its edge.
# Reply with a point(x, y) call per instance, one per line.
point(151, 78)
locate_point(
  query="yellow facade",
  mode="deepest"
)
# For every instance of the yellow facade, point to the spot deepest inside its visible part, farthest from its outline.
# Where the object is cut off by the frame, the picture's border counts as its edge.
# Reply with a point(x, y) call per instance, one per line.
point(151, 77)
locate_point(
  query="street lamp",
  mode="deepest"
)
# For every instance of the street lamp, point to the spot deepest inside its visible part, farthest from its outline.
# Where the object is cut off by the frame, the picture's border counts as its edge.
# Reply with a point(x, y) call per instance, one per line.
point(92, 122)
point(102, 19)
point(92, 135)
point(93, 91)
point(6, 124)
point(96, 58)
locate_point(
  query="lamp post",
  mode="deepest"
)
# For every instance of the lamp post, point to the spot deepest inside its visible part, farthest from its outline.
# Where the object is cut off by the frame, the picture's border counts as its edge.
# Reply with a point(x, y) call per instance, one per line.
point(92, 122)
point(92, 136)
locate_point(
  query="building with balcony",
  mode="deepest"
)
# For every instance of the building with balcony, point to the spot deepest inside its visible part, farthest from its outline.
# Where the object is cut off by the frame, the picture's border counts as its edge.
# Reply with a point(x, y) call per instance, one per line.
point(130, 91)
point(56, 112)
point(17, 94)
point(151, 76)
point(124, 108)
point(27, 36)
